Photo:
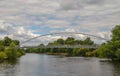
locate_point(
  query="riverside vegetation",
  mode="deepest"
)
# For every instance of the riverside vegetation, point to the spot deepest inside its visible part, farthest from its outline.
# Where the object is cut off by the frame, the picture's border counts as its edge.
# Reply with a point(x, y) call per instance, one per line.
point(110, 49)
point(8, 50)
point(66, 51)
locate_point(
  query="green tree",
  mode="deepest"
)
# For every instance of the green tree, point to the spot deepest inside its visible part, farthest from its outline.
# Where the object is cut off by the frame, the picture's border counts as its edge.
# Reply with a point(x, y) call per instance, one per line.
point(1, 42)
point(105, 51)
point(78, 42)
point(116, 33)
point(111, 48)
point(7, 41)
point(60, 41)
point(88, 41)
point(2, 56)
point(2, 48)
point(16, 42)
point(118, 54)
point(41, 45)
point(12, 52)
point(69, 41)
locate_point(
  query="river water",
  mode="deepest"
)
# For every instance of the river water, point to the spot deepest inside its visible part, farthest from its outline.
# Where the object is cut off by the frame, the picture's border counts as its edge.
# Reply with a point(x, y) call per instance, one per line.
point(47, 65)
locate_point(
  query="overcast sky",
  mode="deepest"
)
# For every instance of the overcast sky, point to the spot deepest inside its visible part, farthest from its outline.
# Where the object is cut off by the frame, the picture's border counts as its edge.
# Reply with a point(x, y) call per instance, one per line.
point(24, 19)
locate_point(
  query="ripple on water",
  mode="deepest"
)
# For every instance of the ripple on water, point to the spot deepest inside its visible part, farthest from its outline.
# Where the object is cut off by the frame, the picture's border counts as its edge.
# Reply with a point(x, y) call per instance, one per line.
point(47, 65)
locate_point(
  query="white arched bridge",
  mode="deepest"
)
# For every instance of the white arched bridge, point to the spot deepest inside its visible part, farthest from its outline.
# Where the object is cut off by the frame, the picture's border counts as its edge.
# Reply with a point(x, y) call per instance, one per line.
point(62, 46)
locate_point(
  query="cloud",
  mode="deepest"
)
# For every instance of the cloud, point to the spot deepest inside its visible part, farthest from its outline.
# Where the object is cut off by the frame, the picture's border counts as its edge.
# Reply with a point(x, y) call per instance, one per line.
point(20, 17)
point(19, 33)
point(57, 23)
point(4, 27)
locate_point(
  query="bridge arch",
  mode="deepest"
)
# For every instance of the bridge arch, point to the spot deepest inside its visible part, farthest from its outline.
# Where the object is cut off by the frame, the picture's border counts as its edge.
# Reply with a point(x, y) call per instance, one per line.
point(64, 33)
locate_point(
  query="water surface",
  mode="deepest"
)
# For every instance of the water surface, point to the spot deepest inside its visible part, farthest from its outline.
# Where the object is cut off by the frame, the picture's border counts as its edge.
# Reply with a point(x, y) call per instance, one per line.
point(47, 65)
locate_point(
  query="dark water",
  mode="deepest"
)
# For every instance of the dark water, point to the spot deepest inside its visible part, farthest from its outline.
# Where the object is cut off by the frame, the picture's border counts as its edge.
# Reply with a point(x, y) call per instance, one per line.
point(46, 65)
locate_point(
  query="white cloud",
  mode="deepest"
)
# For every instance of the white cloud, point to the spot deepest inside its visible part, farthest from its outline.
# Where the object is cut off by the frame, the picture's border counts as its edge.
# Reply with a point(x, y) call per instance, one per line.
point(19, 33)
point(95, 17)
point(4, 27)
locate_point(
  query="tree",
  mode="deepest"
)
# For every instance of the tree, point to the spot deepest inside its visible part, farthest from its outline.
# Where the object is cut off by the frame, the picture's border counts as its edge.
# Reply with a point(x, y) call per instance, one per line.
point(118, 54)
point(41, 45)
point(7, 41)
point(88, 41)
point(1, 42)
point(8, 49)
point(116, 33)
point(2, 56)
point(16, 42)
point(69, 41)
point(111, 48)
point(60, 41)
point(2, 48)
point(78, 42)
point(11, 52)
point(105, 51)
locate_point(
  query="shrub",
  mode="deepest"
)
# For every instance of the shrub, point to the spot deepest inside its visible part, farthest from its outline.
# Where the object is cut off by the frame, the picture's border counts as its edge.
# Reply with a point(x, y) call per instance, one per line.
point(118, 54)
point(2, 56)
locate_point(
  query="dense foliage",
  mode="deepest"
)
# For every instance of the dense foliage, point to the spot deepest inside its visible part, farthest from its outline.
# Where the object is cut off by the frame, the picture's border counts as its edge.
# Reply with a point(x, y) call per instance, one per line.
point(8, 50)
point(66, 51)
point(111, 49)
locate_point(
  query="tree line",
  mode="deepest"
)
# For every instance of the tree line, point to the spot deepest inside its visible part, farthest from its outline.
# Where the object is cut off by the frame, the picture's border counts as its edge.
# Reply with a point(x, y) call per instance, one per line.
point(8, 50)
point(109, 49)
point(66, 51)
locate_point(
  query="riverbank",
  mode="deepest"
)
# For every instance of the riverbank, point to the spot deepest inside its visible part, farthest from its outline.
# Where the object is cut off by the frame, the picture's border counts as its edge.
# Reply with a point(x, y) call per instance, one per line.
point(59, 54)
point(9, 55)
point(66, 55)
point(105, 60)
point(9, 50)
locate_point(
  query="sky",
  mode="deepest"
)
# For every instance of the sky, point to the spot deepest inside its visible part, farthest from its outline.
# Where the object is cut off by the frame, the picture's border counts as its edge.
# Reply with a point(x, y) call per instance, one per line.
point(25, 19)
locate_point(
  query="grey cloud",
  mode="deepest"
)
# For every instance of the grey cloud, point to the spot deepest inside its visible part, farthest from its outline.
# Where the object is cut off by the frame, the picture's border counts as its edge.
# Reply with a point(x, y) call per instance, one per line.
point(71, 5)
point(79, 4)
point(93, 14)
point(95, 2)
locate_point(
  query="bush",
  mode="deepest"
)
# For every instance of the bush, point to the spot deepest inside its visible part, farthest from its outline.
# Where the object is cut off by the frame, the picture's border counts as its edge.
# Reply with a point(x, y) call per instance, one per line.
point(19, 54)
point(2, 56)
point(2, 48)
point(89, 54)
point(11, 52)
point(118, 54)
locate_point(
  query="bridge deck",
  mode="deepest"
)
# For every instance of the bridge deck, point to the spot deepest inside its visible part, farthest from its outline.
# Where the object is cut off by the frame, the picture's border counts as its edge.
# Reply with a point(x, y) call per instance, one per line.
point(63, 46)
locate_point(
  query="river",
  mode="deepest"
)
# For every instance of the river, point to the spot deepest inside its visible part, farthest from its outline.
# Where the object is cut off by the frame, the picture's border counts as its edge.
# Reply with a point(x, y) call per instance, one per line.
point(47, 65)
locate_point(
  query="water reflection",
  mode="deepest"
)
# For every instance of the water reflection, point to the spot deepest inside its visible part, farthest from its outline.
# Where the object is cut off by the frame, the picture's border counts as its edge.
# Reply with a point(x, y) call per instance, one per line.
point(116, 70)
point(46, 65)
point(7, 68)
